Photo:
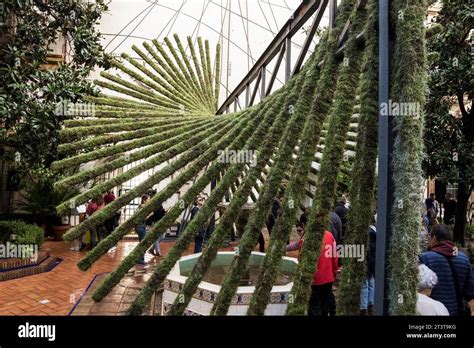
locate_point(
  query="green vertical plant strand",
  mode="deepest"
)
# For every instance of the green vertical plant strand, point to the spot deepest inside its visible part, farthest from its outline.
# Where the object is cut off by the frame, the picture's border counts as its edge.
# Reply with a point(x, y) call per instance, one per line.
point(409, 86)
point(257, 218)
point(321, 88)
point(363, 171)
point(217, 77)
point(207, 87)
point(238, 200)
point(189, 67)
point(331, 161)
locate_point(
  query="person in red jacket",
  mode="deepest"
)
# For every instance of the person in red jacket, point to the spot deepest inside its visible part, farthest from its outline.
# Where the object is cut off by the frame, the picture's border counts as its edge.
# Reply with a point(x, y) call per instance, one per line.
point(322, 301)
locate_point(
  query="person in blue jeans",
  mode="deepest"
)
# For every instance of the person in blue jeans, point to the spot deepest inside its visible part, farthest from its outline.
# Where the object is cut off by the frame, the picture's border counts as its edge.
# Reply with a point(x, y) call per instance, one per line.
point(368, 289)
point(140, 228)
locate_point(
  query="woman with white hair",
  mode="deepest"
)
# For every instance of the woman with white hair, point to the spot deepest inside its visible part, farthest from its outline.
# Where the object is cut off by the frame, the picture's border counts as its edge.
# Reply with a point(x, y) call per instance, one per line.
point(425, 305)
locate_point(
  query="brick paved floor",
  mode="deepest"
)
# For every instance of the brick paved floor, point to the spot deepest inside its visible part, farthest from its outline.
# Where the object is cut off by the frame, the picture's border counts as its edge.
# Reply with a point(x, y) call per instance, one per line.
point(64, 285)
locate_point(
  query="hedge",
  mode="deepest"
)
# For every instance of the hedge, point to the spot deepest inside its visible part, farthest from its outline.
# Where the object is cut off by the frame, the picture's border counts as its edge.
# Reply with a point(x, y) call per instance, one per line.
point(24, 233)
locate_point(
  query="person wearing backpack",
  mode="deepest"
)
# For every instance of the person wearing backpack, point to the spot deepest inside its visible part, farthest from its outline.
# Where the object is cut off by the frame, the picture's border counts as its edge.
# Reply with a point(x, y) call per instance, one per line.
point(455, 281)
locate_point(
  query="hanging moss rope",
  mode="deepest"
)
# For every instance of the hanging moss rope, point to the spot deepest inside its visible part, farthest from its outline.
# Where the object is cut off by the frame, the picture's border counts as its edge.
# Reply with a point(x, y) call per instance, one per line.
point(238, 200)
point(112, 239)
point(258, 216)
point(169, 218)
point(207, 210)
point(409, 76)
point(201, 154)
point(363, 171)
point(155, 154)
point(331, 161)
point(320, 106)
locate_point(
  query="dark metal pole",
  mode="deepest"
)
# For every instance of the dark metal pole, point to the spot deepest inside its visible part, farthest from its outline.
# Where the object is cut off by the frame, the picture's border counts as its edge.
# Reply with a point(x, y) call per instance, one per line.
point(247, 95)
point(288, 59)
point(275, 70)
point(384, 180)
point(332, 13)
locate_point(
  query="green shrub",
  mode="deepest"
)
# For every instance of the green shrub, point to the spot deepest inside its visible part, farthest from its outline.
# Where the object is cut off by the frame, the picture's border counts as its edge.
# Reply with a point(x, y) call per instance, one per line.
point(25, 233)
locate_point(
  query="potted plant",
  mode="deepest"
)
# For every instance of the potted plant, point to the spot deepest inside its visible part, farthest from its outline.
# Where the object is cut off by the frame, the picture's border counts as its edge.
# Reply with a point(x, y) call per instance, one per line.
point(40, 199)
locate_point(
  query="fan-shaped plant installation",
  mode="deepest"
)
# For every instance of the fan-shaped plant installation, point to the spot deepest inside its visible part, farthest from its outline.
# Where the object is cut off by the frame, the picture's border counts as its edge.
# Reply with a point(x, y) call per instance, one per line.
point(163, 113)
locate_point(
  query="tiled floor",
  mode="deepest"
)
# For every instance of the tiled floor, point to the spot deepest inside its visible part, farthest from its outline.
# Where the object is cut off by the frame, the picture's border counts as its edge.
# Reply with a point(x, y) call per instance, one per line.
point(64, 285)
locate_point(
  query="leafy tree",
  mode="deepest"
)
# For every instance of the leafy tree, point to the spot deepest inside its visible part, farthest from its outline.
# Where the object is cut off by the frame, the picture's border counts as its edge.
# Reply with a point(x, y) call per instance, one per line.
point(449, 134)
point(29, 93)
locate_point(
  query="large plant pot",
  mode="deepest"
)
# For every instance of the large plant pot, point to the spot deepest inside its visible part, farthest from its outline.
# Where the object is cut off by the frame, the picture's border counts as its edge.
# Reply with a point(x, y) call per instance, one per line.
point(58, 232)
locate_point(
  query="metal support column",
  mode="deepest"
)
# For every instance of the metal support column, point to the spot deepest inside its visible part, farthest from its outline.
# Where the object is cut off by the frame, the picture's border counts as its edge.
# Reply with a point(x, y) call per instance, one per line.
point(262, 82)
point(275, 70)
point(332, 13)
point(384, 180)
point(288, 59)
point(247, 96)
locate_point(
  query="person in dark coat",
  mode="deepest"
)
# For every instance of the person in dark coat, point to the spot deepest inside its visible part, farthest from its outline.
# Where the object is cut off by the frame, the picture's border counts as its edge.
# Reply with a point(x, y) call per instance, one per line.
point(304, 216)
point(335, 227)
point(156, 216)
point(273, 215)
point(449, 209)
point(441, 250)
point(341, 210)
point(199, 238)
point(271, 220)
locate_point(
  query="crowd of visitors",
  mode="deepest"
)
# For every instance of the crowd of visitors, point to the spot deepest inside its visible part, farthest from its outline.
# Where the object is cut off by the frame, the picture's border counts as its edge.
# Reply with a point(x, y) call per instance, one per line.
point(446, 282)
point(445, 274)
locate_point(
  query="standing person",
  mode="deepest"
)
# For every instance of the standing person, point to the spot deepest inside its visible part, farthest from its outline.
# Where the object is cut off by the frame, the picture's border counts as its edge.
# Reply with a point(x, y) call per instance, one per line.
point(424, 304)
point(453, 268)
point(304, 216)
point(436, 208)
point(100, 229)
point(322, 301)
point(153, 219)
point(449, 209)
point(367, 291)
point(273, 215)
point(90, 209)
point(271, 220)
point(335, 227)
point(429, 202)
point(199, 238)
point(78, 244)
point(109, 197)
point(140, 228)
point(296, 245)
point(341, 210)
point(111, 223)
point(431, 219)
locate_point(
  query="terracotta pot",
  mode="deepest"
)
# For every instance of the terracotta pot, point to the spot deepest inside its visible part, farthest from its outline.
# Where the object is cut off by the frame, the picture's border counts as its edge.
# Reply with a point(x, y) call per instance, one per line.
point(58, 232)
